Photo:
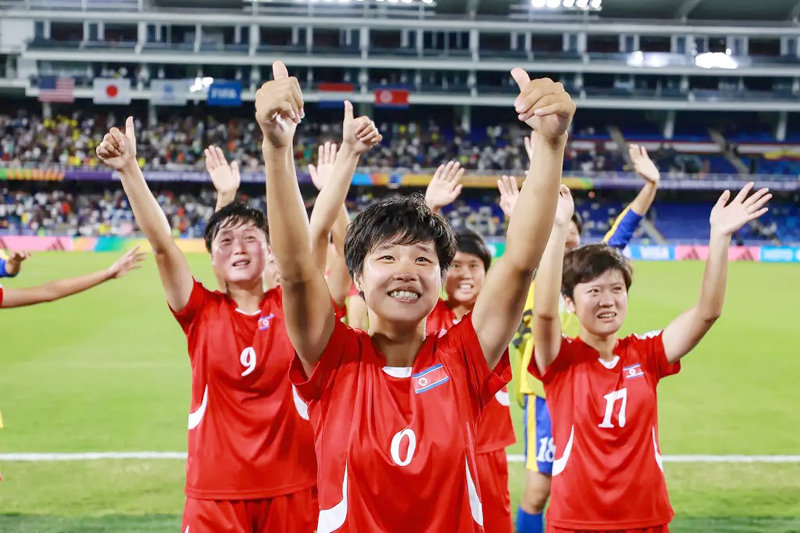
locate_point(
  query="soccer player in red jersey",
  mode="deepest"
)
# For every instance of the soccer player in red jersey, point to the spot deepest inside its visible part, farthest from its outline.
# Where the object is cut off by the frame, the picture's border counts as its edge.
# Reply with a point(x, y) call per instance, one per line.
point(601, 389)
point(462, 285)
point(251, 464)
point(226, 180)
point(395, 411)
point(538, 436)
point(61, 288)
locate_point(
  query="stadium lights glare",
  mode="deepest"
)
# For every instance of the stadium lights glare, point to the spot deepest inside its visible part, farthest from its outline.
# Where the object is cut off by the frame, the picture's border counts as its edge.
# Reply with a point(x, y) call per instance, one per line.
point(715, 60)
point(584, 5)
point(201, 84)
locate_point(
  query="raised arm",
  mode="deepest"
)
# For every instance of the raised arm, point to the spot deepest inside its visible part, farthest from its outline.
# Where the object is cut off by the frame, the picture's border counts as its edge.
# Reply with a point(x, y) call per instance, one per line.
point(320, 176)
point(358, 136)
point(55, 290)
point(225, 177)
point(648, 171)
point(329, 253)
point(547, 108)
point(226, 180)
point(547, 291)
point(11, 266)
point(683, 333)
point(118, 151)
point(306, 302)
point(444, 187)
point(626, 223)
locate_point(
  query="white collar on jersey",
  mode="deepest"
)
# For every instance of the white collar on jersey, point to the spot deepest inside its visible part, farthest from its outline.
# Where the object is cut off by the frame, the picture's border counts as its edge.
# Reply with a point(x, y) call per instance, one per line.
point(609, 364)
point(254, 313)
point(398, 371)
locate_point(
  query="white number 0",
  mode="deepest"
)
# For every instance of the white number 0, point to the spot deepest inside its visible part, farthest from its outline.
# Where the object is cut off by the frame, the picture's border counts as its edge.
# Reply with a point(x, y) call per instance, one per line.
point(412, 446)
point(248, 360)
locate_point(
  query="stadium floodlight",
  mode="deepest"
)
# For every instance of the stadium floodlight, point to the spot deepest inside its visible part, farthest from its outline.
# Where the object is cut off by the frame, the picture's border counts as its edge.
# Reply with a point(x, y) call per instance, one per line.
point(715, 60)
point(582, 4)
point(553, 4)
point(569, 4)
point(427, 1)
point(596, 4)
point(538, 4)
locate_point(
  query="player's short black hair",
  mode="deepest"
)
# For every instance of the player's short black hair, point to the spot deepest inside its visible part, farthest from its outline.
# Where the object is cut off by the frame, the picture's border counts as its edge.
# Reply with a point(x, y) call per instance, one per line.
point(470, 242)
point(591, 261)
point(402, 219)
point(234, 214)
point(578, 220)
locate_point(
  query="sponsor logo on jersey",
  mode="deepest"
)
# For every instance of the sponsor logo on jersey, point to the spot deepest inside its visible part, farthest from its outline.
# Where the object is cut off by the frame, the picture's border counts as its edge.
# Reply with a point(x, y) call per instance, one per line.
point(633, 371)
point(429, 378)
point(263, 322)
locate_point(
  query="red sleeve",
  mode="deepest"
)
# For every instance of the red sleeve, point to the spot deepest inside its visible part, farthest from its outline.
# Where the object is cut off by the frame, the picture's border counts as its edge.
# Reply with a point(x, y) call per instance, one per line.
point(651, 346)
point(461, 346)
point(560, 364)
point(188, 314)
point(344, 340)
point(1, 296)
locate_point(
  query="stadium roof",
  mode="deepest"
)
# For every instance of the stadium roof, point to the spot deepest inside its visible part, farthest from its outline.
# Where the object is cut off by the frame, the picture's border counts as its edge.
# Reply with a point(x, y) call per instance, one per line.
point(734, 10)
point(675, 10)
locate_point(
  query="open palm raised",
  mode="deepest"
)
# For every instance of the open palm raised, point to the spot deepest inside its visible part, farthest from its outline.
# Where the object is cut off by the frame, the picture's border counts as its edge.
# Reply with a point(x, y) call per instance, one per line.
point(225, 177)
point(445, 186)
point(728, 218)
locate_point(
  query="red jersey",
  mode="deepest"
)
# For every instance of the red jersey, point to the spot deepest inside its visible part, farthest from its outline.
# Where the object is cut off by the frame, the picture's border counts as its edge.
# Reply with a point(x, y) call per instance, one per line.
point(495, 429)
point(607, 472)
point(396, 446)
point(1, 295)
point(248, 431)
point(339, 311)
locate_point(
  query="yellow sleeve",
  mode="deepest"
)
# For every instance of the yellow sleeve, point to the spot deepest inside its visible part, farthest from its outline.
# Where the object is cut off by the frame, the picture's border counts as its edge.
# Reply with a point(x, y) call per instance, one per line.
point(524, 343)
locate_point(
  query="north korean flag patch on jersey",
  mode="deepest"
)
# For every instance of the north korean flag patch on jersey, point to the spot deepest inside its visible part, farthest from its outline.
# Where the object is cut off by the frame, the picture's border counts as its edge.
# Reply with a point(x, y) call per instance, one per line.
point(264, 321)
point(633, 371)
point(429, 378)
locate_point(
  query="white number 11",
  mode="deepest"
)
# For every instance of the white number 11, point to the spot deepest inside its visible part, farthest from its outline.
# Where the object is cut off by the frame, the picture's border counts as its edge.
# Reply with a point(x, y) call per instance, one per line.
point(611, 399)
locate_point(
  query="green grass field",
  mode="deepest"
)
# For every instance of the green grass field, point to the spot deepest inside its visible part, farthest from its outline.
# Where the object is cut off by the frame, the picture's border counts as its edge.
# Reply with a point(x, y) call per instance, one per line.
point(107, 370)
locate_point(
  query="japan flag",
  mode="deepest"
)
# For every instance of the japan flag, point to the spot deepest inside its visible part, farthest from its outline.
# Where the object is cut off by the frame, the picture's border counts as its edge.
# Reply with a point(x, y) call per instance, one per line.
point(112, 91)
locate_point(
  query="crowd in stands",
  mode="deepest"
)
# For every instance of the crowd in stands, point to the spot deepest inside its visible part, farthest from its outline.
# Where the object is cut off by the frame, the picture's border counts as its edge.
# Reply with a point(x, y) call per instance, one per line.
point(28, 140)
point(102, 211)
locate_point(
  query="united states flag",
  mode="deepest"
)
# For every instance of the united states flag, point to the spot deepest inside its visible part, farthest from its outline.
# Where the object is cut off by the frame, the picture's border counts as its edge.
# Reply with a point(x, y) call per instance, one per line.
point(55, 89)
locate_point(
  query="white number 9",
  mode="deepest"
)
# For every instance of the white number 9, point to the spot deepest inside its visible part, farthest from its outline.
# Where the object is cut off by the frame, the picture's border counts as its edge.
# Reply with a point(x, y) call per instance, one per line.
point(248, 360)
